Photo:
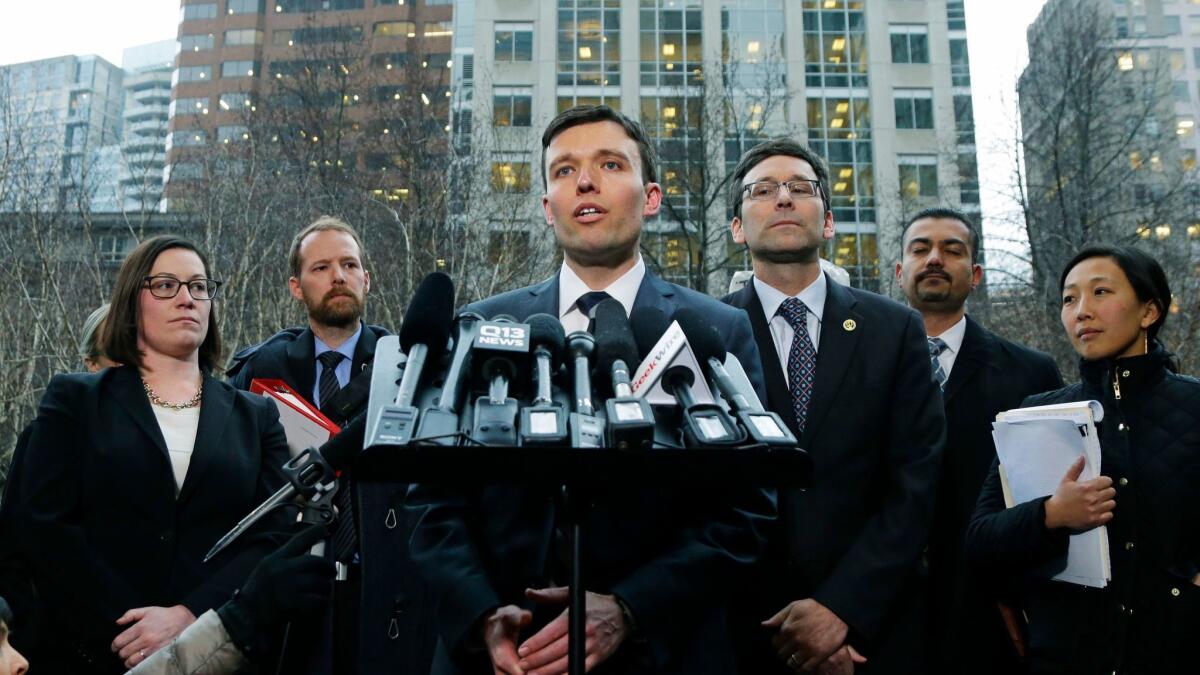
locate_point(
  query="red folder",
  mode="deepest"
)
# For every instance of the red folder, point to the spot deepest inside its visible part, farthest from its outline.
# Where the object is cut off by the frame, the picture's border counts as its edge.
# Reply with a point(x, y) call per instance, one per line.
point(303, 423)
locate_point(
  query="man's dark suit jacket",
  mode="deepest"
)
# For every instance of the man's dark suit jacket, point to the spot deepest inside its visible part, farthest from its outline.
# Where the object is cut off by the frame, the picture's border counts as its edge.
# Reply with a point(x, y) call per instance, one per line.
point(990, 375)
point(394, 633)
point(16, 569)
point(103, 518)
point(672, 554)
point(853, 540)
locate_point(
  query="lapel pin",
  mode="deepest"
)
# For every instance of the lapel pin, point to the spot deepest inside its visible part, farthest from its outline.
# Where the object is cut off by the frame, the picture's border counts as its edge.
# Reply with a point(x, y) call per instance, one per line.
point(849, 325)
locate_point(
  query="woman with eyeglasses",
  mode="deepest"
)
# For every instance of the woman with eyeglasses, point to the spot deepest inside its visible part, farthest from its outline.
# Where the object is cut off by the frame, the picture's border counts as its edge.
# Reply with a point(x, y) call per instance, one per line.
point(133, 472)
point(1147, 619)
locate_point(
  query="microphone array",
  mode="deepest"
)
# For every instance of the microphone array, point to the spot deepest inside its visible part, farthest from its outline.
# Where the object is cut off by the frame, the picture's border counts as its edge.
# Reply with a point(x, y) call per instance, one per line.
point(631, 383)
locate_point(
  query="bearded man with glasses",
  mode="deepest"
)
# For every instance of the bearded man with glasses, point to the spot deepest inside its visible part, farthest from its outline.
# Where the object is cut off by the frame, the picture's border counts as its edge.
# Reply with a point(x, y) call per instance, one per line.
point(850, 373)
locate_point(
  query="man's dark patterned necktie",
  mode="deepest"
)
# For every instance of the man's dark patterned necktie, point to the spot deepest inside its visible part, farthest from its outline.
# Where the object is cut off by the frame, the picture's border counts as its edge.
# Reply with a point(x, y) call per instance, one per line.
point(936, 347)
point(802, 359)
point(344, 536)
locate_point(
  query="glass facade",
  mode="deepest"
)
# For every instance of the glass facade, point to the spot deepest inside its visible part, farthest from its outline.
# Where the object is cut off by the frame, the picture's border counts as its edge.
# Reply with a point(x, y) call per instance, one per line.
point(835, 43)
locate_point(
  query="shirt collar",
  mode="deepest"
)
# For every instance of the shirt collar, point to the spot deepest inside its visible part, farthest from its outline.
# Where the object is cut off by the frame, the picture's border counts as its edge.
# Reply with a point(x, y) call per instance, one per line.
point(345, 349)
point(813, 297)
point(624, 289)
point(953, 336)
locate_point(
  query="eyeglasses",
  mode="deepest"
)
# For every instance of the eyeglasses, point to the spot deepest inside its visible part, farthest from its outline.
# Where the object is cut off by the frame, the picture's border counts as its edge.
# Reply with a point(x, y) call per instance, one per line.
point(769, 189)
point(165, 287)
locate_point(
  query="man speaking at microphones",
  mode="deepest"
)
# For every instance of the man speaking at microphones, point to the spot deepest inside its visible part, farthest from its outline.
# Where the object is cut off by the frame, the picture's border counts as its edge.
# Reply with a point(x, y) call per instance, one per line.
point(658, 563)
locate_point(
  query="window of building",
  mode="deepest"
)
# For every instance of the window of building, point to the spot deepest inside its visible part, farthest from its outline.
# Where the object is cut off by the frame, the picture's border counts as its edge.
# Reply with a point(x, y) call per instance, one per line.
point(835, 45)
point(671, 45)
point(588, 43)
point(512, 106)
point(188, 106)
point(506, 243)
point(111, 248)
point(1177, 60)
point(910, 43)
point(858, 254)
point(317, 35)
point(968, 178)
point(1180, 91)
point(207, 10)
point(244, 6)
point(187, 137)
point(960, 63)
point(234, 101)
point(514, 41)
point(395, 29)
point(918, 175)
point(193, 74)
point(568, 102)
point(195, 43)
point(914, 108)
point(956, 15)
point(964, 119)
point(231, 69)
point(510, 173)
point(246, 36)
point(438, 28)
point(232, 134)
point(390, 61)
point(1171, 25)
point(297, 6)
point(184, 171)
point(1185, 126)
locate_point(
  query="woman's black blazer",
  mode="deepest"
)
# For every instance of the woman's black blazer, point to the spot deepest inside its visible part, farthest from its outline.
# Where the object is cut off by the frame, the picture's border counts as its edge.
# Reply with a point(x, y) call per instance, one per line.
point(104, 524)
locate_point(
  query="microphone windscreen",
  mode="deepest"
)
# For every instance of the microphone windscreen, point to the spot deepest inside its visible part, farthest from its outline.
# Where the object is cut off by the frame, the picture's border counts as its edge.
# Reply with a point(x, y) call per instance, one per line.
point(547, 331)
point(341, 450)
point(429, 314)
point(505, 317)
point(649, 324)
point(702, 336)
point(614, 337)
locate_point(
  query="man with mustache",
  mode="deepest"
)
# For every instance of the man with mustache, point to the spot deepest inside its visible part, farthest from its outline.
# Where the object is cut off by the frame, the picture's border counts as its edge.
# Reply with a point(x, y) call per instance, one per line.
point(377, 624)
point(980, 374)
point(849, 372)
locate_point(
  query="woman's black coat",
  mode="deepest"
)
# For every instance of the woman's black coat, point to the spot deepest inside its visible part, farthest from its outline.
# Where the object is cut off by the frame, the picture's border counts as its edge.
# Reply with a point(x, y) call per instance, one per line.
point(1147, 620)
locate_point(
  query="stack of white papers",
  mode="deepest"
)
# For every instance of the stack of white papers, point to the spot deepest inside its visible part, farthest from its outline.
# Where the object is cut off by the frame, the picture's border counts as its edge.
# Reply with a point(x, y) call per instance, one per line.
point(1036, 446)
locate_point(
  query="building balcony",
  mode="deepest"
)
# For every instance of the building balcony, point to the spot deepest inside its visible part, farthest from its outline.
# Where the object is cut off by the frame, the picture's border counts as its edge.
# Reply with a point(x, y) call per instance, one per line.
point(140, 111)
point(153, 126)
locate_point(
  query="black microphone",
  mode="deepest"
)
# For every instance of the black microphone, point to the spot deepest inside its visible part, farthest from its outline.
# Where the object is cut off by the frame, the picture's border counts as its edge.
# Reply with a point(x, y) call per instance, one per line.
point(702, 423)
point(761, 425)
point(439, 423)
point(426, 325)
point(313, 474)
point(648, 324)
point(544, 422)
point(503, 342)
point(587, 430)
point(630, 421)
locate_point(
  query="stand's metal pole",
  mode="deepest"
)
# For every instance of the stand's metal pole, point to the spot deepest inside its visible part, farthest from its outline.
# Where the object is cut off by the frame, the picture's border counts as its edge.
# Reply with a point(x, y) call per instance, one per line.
point(576, 628)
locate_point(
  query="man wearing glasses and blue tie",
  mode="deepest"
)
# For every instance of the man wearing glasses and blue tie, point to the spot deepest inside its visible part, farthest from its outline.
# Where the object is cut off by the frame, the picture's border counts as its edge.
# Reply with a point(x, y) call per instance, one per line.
point(849, 372)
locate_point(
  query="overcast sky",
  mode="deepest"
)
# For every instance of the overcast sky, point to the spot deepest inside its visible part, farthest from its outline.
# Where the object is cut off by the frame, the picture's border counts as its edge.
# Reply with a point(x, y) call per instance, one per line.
point(996, 34)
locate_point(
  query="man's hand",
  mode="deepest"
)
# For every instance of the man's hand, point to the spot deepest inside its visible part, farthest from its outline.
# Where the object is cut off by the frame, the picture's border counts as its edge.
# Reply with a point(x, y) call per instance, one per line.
point(1080, 505)
point(807, 634)
point(842, 662)
point(500, 631)
point(546, 652)
point(152, 628)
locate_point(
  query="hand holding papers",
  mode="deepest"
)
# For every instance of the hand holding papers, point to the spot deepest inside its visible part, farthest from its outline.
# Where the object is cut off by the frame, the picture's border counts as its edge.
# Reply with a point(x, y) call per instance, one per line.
point(1046, 449)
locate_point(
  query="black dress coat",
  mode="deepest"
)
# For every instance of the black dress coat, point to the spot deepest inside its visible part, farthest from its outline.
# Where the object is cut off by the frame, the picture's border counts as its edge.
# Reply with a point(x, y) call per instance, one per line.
point(103, 518)
point(394, 633)
point(1148, 617)
point(990, 375)
point(16, 569)
point(875, 429)
point(672, 554)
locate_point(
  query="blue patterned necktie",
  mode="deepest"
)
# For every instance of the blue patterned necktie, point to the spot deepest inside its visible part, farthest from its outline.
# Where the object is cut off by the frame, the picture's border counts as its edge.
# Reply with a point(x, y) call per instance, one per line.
point(328, 384)
point(936, 347)
point(344, 530)
point(802, 358)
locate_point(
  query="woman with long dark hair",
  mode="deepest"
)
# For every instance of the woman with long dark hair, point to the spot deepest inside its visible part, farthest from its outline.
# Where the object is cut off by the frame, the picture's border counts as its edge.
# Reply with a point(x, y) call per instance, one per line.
point(133, 472)
point(1115, 300)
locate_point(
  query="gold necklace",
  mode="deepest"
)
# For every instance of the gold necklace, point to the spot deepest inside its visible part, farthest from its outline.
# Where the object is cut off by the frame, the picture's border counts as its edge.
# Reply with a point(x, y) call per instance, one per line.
point(192, 403)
